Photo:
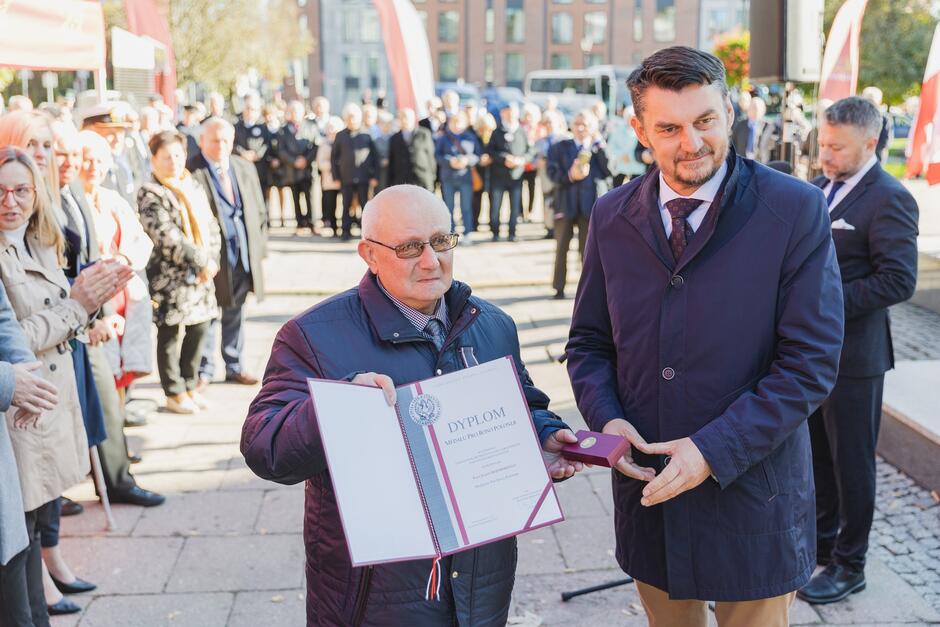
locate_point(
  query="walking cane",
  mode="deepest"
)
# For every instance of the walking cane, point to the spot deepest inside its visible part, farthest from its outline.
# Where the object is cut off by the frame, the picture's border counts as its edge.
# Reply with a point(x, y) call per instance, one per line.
point(98, 477)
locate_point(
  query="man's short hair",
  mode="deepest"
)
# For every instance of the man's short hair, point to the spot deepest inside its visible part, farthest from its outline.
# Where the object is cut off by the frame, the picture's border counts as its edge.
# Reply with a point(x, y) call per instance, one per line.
point(165, 138)
point(674, 69)
point(858, 112)
point(217, 122)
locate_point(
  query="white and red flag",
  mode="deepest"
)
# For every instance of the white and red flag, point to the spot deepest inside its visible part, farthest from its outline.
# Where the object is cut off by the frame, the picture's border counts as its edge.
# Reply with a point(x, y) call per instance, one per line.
point(923, 148)
point(409, 56)
point(840, 60)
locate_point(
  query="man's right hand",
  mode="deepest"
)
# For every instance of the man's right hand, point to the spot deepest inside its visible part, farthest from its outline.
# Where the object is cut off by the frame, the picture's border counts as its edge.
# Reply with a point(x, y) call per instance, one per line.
point(626, 465)
point(378, 381)
point(32, 393)
point(579, 172)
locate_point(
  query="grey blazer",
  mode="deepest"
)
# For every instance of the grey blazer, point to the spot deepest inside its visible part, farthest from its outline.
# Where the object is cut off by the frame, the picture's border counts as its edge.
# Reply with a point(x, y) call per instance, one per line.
point(13, 350)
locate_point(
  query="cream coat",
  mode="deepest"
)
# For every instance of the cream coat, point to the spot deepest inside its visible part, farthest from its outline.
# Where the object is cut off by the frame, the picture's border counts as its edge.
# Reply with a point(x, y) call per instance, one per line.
point(51, 456)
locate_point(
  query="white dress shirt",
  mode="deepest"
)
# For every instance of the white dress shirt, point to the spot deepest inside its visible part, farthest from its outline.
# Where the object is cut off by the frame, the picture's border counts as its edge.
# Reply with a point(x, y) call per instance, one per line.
point(706, 193)
point(850, 183)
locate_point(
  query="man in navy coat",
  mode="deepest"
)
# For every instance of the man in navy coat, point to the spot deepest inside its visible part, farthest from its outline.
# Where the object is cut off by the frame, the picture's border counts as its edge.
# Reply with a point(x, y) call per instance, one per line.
point(709, 319)
point(874, 227)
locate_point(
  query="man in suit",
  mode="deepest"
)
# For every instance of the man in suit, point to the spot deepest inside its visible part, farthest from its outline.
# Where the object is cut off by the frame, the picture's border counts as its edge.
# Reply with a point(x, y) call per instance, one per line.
point(709, 319)
point(578, 167)
point(82, 249)
point(254, 141)
point(509, 151)
point(874, 226)
point(189, 127)
point(297, 151)
point(411, 154)
point(355, 164)
point(231, 183)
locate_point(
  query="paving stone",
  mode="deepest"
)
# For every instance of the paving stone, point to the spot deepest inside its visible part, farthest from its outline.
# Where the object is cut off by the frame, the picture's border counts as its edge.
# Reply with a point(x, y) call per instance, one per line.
point(209, 513)
point(539, 553)
point(578, 498)
point(272, 607)
point(538, 598)
point(92, 521)
point(123, 565)
point(176, 610)
point(587, 543)
point(282, 511)
point(239, 477)
point(270, 562)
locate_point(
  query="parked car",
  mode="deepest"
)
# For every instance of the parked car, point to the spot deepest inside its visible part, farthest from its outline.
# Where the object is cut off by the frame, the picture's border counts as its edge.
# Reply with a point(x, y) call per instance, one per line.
point(495, 98)
point(467, 92)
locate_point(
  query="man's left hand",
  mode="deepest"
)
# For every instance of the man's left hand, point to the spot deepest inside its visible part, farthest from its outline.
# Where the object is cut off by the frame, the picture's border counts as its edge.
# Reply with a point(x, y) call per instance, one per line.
point(686, 469)
point(559, 467)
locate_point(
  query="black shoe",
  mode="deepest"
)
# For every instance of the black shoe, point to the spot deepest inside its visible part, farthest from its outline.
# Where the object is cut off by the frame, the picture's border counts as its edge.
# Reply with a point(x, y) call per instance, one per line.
point(76, 587)
point(511, 238)
point(550, 234)
point(137, 496)
point(134, 458)
point(71, 508)
point(64, 606)
point(833, 584)
point(559, 295)
point(495, 238)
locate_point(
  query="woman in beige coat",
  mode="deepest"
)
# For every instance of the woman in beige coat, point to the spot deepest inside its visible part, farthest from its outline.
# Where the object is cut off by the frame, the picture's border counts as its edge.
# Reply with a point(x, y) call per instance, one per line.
point(51, 448)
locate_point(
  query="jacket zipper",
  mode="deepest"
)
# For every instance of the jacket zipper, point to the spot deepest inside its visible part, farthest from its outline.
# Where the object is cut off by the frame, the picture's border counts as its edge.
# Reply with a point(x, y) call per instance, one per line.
point(362, 598)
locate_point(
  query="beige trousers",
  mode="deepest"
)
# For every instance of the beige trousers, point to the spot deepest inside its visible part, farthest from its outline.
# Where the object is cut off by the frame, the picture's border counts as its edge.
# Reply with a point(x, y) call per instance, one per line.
point(664, 612)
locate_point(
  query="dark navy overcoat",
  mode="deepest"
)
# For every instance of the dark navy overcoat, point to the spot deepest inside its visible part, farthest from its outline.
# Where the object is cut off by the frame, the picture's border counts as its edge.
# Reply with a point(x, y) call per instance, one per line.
point(734, 346)
point(361, 330)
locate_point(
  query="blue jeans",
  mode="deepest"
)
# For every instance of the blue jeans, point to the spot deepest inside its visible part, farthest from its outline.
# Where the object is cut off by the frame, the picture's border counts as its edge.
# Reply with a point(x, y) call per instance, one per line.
point(515, 204)
point(465, 189)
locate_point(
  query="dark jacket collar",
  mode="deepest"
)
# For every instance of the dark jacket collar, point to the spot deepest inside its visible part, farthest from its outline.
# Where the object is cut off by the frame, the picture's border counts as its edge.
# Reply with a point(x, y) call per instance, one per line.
point(392, 326)
point(854, 194)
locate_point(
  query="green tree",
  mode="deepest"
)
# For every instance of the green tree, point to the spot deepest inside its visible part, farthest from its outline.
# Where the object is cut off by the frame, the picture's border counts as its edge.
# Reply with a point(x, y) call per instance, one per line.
point(733, 50)
point(895, 41)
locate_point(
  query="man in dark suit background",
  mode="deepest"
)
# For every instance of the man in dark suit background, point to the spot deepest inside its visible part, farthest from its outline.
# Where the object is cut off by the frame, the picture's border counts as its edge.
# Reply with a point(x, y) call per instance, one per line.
point(355, 164)
point(231, 183)
point(578, 167)
point(254, 141)
point(297, 152)
point(411, 154)
point(509, 151)
point(874, 226)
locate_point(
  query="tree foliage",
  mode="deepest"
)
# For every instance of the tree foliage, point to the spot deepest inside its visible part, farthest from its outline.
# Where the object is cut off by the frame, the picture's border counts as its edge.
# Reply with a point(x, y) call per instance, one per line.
point(734, 51)
point(895, 41)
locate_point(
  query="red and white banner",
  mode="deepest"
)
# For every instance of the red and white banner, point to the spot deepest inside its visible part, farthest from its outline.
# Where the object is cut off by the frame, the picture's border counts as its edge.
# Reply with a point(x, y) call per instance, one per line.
point(923, 147)
point(409, 55)
point(840, 60)
point(52, 35)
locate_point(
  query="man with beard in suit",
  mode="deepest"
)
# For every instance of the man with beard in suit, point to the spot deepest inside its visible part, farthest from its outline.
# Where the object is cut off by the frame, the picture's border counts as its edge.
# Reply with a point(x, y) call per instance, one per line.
point(874, 227)
point(411, 154)
point(231, 183)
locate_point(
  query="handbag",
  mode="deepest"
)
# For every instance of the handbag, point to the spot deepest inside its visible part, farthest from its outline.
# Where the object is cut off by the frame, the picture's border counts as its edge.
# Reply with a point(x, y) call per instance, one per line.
point(476, 179)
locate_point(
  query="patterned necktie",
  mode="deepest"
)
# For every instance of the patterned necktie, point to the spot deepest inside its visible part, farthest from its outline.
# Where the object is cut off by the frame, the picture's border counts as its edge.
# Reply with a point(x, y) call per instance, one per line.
point(836, 186)
point(680, 209)
point(435, 332)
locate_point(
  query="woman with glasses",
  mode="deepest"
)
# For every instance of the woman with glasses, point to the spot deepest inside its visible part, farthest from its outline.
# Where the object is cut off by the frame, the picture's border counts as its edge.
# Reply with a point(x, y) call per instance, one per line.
point(51, 448)
point(174, 211)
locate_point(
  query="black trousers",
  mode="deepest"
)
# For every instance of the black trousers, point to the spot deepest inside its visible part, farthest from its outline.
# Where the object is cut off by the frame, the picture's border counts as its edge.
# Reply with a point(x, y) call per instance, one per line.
point(303, 214)
point(179, 350)
point(528, 178)
point(328, 204)
point(564, 231)
point(844, 434)
point(113, 451)
point(360, 191)
point(22, 602)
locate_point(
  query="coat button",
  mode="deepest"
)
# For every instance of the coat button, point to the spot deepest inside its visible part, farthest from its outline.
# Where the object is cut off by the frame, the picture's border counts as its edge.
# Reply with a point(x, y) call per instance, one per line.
point(394, 335)
point(52, 367)
point(46, 302)
point(63, 294)
point(677, 281)
point(669, 374)
point(438, 372)
point(454, 574)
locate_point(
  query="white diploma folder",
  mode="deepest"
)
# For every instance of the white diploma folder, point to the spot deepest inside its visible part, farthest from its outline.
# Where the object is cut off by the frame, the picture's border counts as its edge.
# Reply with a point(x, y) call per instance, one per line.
point(456, 463)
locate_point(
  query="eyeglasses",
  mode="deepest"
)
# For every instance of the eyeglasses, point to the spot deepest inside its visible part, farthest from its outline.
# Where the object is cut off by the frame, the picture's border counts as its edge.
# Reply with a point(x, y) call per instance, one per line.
point(410, 250)
point(22, 193)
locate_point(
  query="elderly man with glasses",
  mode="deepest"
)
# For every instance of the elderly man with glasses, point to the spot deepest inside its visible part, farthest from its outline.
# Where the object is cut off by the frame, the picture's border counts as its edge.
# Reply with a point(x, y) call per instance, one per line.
point(407, 320)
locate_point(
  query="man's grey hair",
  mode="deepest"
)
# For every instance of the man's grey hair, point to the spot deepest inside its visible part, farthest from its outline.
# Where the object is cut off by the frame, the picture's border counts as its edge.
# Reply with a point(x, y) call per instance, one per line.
point(858, 112)
point(352, 109)
point(217, 122)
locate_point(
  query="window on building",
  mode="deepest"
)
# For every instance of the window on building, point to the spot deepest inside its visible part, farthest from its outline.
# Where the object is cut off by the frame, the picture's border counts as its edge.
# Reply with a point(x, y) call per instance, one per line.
point(371, 31)
point(352, 68)
point(597, 1)
point(638, 20)
point(637, 57)
point(489, 23)
point(664, 24)
point(515, 69)
point(448, 26)
point(447, 66)
point(593, 58)
point(374, 65)
point(561, 1)
point(562, 28)
point(515, 22)
point(595, 26)
point(350, 19)
point(489, 68)
point(560, 61)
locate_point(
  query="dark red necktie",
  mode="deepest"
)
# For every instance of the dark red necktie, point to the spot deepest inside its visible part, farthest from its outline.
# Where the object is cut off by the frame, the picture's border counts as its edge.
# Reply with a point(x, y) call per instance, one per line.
point(680, 209)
